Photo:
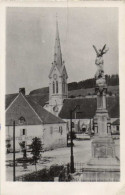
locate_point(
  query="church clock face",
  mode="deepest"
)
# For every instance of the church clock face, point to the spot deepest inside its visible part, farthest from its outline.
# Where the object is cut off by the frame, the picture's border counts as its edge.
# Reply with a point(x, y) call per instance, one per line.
point(55, 76)
point(55, 108)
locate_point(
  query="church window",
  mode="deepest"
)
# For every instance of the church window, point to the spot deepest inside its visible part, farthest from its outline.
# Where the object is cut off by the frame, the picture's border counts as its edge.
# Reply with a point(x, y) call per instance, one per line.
point(63, 86)
point(53, 87)
point(56, 86)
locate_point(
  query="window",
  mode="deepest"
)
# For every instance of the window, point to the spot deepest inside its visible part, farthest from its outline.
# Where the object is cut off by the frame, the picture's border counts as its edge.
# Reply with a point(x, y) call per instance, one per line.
point(60, 130)
point(73, 125)
point(53, 87)
point(63, 87)
point(117, 128)
point(56, 86)
point(21, 120)
point(23, 132)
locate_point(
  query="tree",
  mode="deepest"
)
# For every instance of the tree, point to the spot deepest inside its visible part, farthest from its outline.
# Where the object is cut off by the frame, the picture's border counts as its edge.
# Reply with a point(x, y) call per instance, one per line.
point(8, 145)
point(36, 147)
point(22, 145)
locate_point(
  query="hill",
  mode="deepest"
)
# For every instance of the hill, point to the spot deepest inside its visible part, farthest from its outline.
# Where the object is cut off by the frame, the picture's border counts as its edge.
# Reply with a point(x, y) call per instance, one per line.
point(76, 93)
point(91, 91)
point(85, 87)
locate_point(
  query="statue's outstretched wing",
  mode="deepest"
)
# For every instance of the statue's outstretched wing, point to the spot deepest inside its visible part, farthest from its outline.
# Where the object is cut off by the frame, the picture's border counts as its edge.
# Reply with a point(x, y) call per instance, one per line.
point(96, 50)
point(103, 47)
point(104, 50)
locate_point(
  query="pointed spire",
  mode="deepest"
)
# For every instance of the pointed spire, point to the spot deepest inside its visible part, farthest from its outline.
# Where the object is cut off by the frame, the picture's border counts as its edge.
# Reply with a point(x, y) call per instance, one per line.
point(57, 51)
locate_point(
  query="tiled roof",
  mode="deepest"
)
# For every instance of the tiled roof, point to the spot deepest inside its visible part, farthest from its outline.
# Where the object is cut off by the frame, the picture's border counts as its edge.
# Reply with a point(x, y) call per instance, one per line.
point(40, 99)
point(116, 122)
point(33, 113)
point(88, 107)
point(113, 107)
point(9, 99)
point(45, 116)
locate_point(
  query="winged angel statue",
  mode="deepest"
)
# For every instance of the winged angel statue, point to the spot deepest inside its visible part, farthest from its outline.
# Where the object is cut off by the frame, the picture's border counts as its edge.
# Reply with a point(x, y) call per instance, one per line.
point(99, 61)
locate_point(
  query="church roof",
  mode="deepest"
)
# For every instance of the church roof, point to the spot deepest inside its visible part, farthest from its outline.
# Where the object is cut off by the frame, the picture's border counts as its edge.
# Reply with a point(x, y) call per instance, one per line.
point(57, 49)
point(88, 107)
point(116, 122)
point(58, 55)
point(33, 113)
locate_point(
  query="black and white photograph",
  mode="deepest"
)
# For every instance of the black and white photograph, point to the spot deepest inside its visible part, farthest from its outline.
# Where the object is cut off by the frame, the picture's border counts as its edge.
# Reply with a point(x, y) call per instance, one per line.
point(62, 115)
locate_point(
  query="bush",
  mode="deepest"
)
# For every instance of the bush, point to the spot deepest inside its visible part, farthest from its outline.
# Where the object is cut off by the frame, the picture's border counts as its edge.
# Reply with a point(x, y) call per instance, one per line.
point(26, 160)
point(47, 174)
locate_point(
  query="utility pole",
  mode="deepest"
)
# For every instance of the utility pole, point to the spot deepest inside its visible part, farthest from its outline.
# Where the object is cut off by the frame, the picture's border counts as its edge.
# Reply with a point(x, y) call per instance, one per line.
point(14, 178)
point(71, 137)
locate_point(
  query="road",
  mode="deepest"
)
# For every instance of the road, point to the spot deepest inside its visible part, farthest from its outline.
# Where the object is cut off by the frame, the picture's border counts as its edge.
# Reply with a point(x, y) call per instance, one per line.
point(82, 153)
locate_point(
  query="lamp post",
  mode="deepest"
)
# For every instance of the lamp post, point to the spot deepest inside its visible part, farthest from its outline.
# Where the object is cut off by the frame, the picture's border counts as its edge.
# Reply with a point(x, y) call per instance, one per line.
point(71, 137)
point(14, 178)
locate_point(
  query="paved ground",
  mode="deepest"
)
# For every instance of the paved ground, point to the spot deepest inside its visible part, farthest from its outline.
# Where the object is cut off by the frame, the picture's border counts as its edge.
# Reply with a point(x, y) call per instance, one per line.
point(82, 153)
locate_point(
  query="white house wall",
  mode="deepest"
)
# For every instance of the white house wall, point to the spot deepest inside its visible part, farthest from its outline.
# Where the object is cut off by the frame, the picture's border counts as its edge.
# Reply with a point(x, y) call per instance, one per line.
point(31, 132)
point(53, 138)
point(49, 140)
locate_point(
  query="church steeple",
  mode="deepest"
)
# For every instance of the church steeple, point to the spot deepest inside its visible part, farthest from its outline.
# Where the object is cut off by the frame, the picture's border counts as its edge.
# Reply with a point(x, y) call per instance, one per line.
point(57, 49)
point(58, 89)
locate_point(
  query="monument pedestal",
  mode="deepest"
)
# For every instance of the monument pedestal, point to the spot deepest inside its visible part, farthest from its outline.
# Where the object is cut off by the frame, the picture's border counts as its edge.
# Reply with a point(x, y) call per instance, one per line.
point(103, 165)
point(103, 152)
point(100, 174)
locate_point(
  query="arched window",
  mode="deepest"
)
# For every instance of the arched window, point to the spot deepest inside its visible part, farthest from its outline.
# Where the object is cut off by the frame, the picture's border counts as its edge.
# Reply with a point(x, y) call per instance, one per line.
point(53, 87)
point(56, 86)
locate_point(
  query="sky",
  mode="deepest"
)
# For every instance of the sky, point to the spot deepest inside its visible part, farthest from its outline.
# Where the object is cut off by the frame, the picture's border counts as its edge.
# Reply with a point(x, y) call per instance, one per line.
point(30, 39)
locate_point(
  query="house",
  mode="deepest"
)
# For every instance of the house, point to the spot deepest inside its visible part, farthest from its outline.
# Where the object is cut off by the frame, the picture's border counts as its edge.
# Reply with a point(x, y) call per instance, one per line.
point(32, 120)
point(115, 126)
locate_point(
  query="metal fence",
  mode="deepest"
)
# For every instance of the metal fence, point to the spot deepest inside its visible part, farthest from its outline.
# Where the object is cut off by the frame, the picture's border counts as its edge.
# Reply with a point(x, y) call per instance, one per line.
point(79, 167)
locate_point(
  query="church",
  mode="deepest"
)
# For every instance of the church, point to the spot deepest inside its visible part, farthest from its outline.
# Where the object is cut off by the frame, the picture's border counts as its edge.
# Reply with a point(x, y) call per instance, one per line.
point(58, 88)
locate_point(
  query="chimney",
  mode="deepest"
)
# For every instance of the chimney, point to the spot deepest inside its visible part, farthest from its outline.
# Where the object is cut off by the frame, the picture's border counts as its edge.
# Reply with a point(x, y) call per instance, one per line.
point(22, 90)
